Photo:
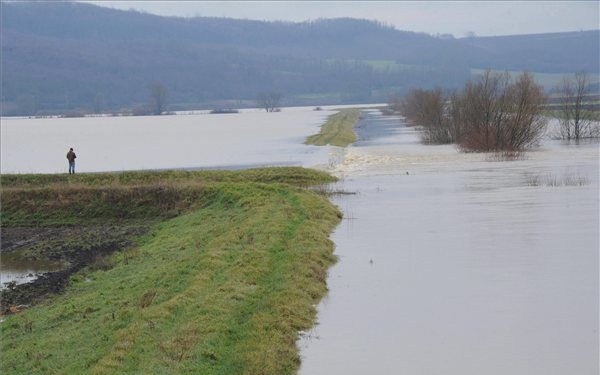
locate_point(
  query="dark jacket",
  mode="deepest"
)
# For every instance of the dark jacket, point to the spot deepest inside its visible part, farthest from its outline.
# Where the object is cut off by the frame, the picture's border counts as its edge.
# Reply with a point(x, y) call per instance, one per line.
point(71, 156)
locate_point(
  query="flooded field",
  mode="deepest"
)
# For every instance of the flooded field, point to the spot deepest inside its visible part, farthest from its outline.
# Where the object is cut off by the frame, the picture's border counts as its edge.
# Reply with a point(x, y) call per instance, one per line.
point(456, 263)
point(161, 142)
point(449, 263)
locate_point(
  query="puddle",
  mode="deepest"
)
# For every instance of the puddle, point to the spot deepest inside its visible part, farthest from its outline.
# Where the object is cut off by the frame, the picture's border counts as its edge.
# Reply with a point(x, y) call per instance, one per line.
point(14, 269)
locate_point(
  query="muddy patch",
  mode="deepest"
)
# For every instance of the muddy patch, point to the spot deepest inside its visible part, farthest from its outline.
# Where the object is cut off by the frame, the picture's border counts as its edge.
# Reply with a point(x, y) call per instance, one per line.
point(58, 252)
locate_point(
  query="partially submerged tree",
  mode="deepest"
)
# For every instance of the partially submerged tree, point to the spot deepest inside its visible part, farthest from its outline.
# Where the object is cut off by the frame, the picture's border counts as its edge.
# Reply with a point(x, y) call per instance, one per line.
point(394, 103)
point(524, 124)
point(159, 95)
point(575, 122)
point(490, 114)
point(270, 101)
point(484, 104)
point(428, 109)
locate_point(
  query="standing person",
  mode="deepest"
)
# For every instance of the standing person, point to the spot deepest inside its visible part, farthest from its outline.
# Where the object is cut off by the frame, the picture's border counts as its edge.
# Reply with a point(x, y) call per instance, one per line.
point(71, 158)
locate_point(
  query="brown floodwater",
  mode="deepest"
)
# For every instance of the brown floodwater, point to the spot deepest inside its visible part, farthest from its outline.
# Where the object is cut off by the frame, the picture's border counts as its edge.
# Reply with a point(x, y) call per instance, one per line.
point(453, 263)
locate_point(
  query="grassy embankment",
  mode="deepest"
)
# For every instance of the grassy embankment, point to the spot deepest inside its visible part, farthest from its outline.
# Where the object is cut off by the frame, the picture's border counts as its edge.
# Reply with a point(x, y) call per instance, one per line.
point(222, 283)
point(338, 130)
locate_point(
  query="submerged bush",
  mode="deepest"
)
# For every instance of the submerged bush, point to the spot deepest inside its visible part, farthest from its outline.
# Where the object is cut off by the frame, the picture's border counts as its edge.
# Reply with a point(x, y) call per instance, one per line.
point(489, 114)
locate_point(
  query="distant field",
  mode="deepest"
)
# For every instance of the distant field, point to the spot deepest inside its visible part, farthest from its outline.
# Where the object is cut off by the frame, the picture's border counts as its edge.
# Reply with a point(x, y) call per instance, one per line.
point(389, 65)
point(548, 80)
point(319, 96)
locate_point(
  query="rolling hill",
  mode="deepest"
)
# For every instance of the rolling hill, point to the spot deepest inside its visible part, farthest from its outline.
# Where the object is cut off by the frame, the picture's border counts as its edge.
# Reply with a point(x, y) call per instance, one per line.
point(66, 57)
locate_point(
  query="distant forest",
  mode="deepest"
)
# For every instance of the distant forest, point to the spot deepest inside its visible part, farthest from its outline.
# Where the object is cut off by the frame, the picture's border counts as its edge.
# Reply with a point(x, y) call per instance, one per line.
point(64, 57)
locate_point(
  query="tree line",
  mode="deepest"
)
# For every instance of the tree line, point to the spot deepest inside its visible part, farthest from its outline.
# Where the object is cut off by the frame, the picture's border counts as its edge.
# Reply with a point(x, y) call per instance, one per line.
point(494, 113)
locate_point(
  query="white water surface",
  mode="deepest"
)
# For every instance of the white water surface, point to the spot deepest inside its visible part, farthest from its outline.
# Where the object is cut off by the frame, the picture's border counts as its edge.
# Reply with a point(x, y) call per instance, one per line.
point(453, 263)
point(160, 142)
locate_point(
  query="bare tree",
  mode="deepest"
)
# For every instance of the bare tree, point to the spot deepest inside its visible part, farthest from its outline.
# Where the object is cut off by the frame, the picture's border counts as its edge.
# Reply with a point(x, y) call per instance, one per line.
point(395, 103)
point(499, 115)
point(574, 119)
point(525, 123)
point(455, 113)
point(435, 112)
point(490, 114)
point(159, 95)
point(484, 108)
point(433, 118)
point(270, 101)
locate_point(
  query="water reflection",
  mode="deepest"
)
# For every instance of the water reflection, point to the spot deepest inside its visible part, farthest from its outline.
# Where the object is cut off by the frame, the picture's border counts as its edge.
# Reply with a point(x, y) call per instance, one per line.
point(15, 269)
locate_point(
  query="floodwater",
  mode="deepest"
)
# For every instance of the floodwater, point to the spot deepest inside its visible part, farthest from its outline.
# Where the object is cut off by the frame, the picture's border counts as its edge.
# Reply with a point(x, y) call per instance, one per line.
point(203, 140)
point(450, 263)
point(453, 263)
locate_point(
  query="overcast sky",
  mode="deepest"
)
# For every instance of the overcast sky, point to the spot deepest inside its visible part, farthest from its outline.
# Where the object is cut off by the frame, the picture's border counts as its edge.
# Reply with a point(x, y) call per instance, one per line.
point(433, 17)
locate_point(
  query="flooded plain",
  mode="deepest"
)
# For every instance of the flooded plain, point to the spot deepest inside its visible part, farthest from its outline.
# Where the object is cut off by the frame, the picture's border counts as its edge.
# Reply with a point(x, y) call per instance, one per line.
point(161, 142)
point(449, 263)
point(453, 263)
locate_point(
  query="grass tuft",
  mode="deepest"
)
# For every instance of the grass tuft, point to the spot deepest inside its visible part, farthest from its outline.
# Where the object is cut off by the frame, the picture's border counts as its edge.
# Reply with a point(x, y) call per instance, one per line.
point(551, 180)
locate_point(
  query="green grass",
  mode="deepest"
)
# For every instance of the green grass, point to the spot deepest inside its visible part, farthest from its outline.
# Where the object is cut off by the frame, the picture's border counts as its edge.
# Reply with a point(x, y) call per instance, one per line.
point(222, 288)
point(338, 130)
point(63, 199)
point(290, 175)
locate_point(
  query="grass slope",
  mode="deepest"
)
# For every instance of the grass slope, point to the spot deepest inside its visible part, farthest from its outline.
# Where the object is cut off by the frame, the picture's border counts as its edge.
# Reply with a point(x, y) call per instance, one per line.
point(338, 130)
point(223, 288)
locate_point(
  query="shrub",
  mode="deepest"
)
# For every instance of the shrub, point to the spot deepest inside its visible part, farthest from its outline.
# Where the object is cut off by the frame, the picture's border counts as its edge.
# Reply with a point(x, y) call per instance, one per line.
point(490, 114)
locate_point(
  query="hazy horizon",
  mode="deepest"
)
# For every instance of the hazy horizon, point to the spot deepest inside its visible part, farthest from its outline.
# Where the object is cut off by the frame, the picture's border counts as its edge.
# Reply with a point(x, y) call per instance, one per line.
point(459, 18)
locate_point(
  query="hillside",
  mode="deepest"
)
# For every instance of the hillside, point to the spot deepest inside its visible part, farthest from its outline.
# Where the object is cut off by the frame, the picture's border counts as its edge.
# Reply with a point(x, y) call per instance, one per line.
point(546, 53)
point(65, 57)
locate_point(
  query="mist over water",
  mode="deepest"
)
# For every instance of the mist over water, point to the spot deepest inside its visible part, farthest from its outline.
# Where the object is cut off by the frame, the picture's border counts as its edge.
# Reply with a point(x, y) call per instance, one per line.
point(454, 263)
